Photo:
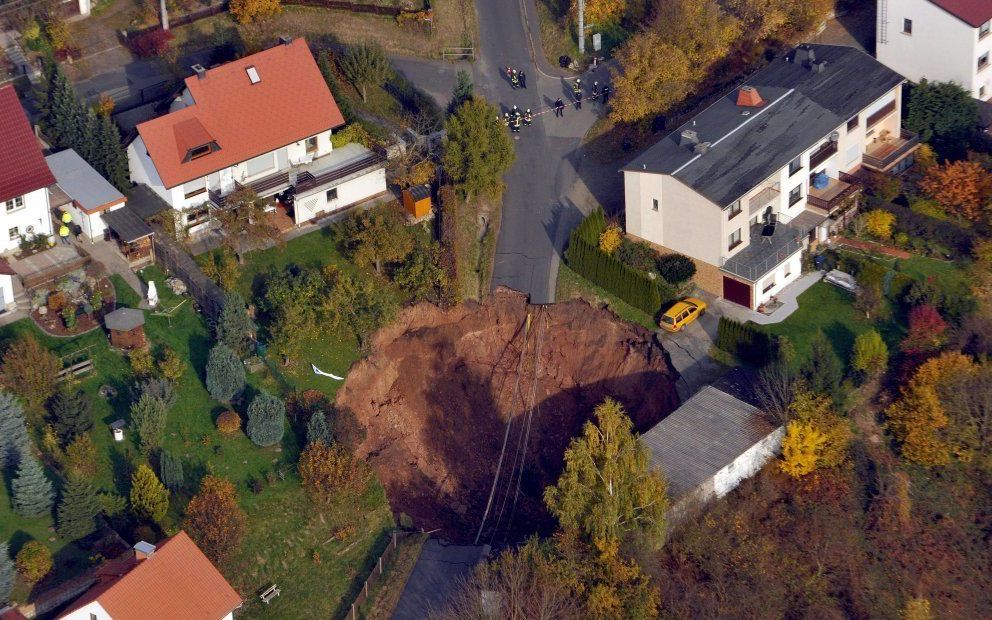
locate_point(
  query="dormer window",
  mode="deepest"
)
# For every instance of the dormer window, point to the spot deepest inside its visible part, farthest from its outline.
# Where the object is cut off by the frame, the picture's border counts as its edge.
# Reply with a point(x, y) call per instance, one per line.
point(253, 74)
point(199, 151)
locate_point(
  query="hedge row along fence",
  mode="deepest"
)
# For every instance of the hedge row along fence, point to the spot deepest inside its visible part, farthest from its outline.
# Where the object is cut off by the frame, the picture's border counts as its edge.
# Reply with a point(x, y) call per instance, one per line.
point(607, 272)
point(746, 342)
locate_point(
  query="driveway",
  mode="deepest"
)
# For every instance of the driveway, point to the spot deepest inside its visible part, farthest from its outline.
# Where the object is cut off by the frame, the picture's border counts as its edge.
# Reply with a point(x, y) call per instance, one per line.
point(545, 196)
point(689, 352)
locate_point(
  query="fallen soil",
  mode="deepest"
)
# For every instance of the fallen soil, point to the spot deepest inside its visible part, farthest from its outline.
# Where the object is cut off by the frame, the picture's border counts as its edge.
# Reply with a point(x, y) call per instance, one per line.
point(444, 389)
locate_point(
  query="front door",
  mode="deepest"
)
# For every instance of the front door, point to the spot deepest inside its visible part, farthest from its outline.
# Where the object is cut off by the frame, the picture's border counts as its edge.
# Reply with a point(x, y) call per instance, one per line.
point(737, 292)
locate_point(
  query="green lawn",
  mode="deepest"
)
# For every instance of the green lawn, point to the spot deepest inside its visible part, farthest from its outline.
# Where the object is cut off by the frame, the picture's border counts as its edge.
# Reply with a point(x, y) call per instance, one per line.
point(571, 285)
point(829, 308)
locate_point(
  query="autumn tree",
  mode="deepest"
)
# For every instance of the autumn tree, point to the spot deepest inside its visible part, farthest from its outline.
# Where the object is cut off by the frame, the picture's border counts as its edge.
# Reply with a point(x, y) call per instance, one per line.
point(266, 420)
point(944, 115)
point(245, 223)
point(378, 236)
point(365, 64)
point(701, 29)
point(225, 373)
point(149, 498)
point(879, 223)
point(926, 331)
point(34, 561)
point(963, 188)
point(222, 267)
point(870, 356)
point(477, 149)
point(764, 19)
point(816, 436)
point(606, 490)
point(78, 509)
point(214, 520)
point(248, 11)
point(611, 239)
point(653, 75)
point(171, 365)
point(916, 420)
point(329, 471)
point(81, 458)
point(30, 370)
point(32, 494)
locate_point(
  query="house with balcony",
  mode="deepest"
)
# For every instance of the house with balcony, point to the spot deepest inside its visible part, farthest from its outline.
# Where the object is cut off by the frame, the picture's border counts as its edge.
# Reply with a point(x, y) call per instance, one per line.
point(24, 177)
point(744, 186)
point(263, 122)
point(940, 40)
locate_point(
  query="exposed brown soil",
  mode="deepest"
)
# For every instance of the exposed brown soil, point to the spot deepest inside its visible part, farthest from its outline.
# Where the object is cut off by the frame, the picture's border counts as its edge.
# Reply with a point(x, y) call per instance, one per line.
point(437, 392)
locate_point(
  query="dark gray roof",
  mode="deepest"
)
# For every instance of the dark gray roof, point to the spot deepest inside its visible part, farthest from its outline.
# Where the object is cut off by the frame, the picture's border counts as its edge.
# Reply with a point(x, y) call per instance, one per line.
point(128, 226)
point(80, 181)
point(419, 192)
point(801, 107)
point(439, 571)
point(124, 319)
point(145, 202)
point(707, 433)
point(765, 253)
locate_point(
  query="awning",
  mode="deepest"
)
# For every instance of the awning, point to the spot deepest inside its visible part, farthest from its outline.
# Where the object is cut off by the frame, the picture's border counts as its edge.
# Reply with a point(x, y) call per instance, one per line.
point(126, 225)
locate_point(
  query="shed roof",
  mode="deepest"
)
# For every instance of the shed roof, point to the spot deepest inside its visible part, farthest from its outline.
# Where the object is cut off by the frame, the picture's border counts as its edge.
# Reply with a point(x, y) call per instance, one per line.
point(22, 167)
point(419, 192)
point(144, 202)
point(128, 226)
point(82, 183)
point(801, 107)
point(707, 433)
point(124, 319)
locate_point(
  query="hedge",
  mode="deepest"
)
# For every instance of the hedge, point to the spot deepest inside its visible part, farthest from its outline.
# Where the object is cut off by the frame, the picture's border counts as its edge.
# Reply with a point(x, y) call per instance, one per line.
point(930, 231)
point(627, 283)
point(746, 342)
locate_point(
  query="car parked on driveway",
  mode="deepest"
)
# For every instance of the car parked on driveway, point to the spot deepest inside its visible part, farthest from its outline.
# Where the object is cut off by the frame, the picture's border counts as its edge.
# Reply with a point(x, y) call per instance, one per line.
point(682, 313)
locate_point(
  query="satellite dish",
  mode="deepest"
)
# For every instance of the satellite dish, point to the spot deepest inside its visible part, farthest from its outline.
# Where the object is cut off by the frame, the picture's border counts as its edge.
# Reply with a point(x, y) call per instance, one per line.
point(29, 230)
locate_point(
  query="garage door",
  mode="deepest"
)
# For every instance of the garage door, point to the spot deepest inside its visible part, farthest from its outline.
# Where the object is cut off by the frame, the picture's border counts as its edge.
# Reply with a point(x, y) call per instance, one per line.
point(737, 292)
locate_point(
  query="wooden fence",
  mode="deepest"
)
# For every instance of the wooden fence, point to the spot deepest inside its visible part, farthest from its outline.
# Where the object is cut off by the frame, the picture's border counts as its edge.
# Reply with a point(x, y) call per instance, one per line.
point(180, 264)
point(458, 53)
point(388, 555)
point(49, 274)
point(342, 5)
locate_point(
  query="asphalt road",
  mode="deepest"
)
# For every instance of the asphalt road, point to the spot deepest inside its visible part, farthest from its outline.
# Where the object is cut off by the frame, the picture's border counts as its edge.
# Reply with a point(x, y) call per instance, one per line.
point(537, 211)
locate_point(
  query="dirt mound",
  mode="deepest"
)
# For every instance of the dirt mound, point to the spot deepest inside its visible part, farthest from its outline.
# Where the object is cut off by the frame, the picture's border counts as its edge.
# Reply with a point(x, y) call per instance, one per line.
point(439, 390)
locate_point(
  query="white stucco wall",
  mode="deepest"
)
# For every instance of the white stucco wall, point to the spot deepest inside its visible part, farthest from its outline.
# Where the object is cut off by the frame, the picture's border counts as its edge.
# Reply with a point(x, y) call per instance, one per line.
point(7, 291)
point(787, 272)
point(88, 612)
point(748, 464)
point(312, 204)
point(34, 213)
point(92, 224)
point(941, 46)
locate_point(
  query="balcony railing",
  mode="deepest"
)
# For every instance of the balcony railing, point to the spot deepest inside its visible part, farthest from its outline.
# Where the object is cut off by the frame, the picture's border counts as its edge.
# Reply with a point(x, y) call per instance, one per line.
point(890, 152)
point(834, 195)
point(824, 153)
point(307, 181)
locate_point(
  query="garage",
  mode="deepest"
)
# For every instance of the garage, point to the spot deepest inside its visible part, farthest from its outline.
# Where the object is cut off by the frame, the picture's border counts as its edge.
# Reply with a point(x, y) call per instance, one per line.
point(737, 292)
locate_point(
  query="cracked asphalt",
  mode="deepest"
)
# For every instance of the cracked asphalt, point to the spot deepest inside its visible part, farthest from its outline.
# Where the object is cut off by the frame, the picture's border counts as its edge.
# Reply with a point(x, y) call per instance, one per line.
point(689, 352)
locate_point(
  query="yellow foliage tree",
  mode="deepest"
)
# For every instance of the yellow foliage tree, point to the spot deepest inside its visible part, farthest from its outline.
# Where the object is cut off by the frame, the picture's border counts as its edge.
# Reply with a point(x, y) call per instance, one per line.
point(700, 28)
point(611, 239)
point(925, 158)
point(916, 420)
point(653, 76)
point(601, 11)
point(879, 223)
point(247, 11)
point(918, 608)
point(816, 437)
point(801, 447)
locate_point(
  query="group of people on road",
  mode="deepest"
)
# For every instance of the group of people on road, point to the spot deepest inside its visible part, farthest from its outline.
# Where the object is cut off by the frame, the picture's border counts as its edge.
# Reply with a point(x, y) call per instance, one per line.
point(514, 118)
point(518, 79)
point(578, 96)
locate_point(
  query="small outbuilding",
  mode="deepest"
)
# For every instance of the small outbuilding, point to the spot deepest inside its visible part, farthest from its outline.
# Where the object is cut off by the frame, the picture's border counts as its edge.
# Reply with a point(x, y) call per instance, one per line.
point(417, 201)
point(709, 445)
point(90, 196)
point(126, 327)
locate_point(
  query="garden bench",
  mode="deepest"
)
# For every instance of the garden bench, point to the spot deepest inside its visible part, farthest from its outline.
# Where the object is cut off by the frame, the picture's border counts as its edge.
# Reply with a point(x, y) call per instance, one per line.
point(270, 593)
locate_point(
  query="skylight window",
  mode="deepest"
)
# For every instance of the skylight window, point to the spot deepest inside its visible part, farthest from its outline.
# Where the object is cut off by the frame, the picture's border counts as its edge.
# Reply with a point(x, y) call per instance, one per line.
point(253, 75)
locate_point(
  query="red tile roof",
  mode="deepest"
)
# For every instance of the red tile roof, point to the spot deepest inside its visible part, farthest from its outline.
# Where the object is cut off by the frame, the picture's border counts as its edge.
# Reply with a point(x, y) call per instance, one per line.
point(973, 12)
point(291, 102)
point(22, 166)
point(177, 582)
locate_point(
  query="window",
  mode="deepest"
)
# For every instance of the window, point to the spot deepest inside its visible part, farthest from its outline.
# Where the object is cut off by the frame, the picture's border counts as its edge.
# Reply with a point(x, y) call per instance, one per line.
point(260, 164)
point(983, 61)
point(853, 123)
point(332, 194)
point(194, 188)
point(654, 204)
point(795, 195)
point(734, 239)
point(984, 29)
point(199, 151)
point(734, 210)
point(882, 113)
point(311, 144)
point(14, 204)
point(770, 285)
point(907, 26)
point(795, 165)
point(14, 233)
point(196, 216)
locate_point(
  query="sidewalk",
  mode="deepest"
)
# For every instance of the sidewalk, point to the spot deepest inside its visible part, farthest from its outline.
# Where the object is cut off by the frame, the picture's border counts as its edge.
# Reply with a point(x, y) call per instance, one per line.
point(105, 252)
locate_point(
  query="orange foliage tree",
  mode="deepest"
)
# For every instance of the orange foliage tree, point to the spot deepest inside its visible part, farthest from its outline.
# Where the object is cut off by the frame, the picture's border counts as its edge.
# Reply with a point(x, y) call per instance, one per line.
point(963, 188)
point(214, 520)
point(328, 471)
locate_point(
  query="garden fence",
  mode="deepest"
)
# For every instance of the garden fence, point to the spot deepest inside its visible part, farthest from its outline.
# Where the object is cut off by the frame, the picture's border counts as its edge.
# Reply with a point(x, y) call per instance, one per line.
point(388, 555)
point(181, 265)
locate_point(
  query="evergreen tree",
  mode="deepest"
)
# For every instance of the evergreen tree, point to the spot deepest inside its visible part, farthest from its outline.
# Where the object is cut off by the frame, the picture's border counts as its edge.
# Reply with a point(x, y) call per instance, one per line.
point(64, 117)
point(78, 509)
point(317, 429)
point(266, 420)
point(234, 327)
point(32, 491)
point(326, 64)
point(225, 373)
point(14, 439)
point(161, 389)
point(71, 415)
point(477, 149)
point(149, 417)
point(823, 369)
point(89, 150)
point(110, 155)
point(149, 499)
point(7, 572)
point(463, 91)
point(171, 471)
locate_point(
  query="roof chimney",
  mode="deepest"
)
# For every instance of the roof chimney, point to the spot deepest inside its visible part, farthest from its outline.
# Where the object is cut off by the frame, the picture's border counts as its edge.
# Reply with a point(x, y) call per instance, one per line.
point(805, 55)
point(200, 71)
point(143, 550)
point(689, 138)
point(749, 97)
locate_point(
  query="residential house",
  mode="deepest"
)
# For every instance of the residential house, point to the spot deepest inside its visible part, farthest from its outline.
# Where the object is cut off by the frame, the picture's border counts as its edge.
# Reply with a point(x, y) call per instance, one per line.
point(709, 445)
point(746, 184)
point(263, 122)
point(173, 581)
point(24, 177)
point(940, 40)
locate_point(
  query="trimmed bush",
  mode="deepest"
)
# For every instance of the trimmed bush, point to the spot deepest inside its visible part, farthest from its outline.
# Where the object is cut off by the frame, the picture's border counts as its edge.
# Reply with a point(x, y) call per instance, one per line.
point(266, 420)
point(676, 268)
point(229, 423)
point(225, 373)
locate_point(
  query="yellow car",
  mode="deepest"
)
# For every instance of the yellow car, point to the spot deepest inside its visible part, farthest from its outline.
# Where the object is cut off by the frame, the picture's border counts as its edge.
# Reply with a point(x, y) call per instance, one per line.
point(682, 313)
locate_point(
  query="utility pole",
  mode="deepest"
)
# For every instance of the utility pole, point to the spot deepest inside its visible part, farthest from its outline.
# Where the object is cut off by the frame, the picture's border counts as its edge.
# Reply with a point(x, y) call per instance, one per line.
point(582, 26)
point(165, 15)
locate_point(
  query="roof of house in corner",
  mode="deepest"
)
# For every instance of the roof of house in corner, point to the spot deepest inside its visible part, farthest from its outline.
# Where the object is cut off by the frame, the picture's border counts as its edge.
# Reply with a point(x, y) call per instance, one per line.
point(22, 166)
point(177, 582)
point(290, 102)
point(704, 435)
point(972, 12)
point(800, 107)
point(82, 183)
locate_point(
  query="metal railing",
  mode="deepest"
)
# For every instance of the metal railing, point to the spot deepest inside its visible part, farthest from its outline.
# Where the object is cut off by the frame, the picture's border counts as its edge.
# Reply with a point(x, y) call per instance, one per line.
point(827, 206)
point(883, 163)
point(788, 243)
point(307, 181)
point(823, 154)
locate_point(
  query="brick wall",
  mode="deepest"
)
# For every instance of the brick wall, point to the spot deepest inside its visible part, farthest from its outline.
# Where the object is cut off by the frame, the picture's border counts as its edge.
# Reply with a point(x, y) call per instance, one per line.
point(708, 277)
